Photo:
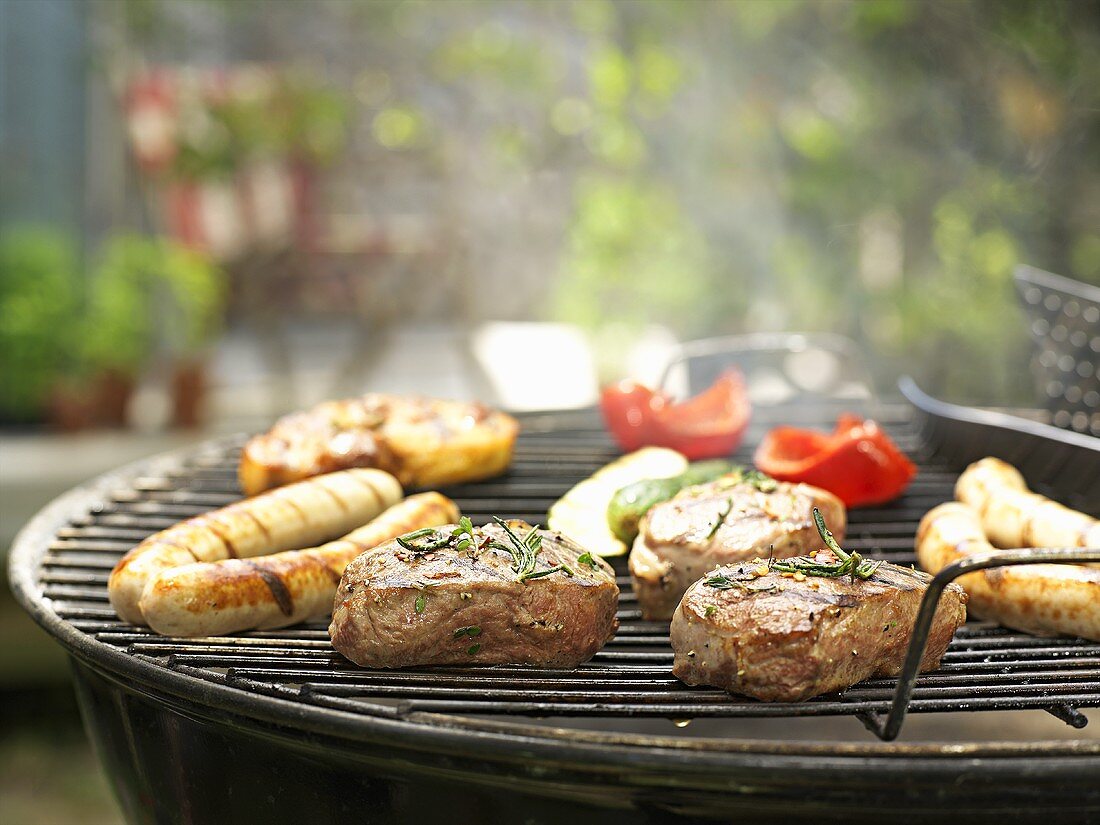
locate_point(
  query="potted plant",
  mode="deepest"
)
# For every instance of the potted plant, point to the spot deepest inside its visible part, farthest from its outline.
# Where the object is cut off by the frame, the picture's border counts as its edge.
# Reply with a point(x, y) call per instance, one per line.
point(195, 313)
point(38, 301)
point(152, 296)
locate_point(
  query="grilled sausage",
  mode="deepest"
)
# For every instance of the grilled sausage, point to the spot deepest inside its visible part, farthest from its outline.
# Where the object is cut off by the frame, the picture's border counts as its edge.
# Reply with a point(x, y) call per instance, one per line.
point(214, 598)
point(1042, 599)
point(1013, 516)
point(299, 515)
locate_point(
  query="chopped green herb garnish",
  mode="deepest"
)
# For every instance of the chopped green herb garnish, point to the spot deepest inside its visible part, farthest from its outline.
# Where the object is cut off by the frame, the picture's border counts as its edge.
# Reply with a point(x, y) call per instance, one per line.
point(465, 526)
point(722, 582)
point(469, 630)
point(586, 558)
point(757, 479)
point(421, 603)
point(710, 611)
point(754, 478)
point(424, 540)
point(472, 649)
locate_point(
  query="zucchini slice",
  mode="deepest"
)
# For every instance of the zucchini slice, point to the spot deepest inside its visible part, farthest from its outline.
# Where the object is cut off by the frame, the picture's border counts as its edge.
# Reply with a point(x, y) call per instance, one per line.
point(581, 513)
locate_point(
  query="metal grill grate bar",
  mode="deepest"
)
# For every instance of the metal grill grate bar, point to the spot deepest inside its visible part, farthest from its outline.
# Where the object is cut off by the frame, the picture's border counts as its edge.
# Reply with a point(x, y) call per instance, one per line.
point(986, 668)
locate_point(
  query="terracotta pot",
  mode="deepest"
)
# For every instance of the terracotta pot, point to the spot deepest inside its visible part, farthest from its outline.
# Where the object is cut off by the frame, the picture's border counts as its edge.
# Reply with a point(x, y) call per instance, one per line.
point(112, 392)
point(70, 406)
point(188, 393)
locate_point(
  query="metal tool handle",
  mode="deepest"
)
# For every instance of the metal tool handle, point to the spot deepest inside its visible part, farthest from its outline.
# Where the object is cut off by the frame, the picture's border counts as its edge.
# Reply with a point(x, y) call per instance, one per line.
point(888, 730)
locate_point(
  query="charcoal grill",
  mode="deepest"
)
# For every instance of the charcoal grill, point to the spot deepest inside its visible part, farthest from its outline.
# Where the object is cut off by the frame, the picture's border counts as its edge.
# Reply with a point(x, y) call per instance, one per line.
point(276, 727)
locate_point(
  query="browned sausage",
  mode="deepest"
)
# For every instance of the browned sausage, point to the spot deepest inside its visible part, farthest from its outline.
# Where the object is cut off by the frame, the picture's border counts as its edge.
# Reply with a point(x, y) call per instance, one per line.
point(213, 598)
point(299, 515)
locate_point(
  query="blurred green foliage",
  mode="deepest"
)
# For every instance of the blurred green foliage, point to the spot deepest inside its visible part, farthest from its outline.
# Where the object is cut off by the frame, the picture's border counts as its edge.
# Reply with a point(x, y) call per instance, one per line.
point(284, 115)
point(148, 294)
point(39, 297)
point(142, 295)
point(870, 167)
point(634, 248)
point(875, 168)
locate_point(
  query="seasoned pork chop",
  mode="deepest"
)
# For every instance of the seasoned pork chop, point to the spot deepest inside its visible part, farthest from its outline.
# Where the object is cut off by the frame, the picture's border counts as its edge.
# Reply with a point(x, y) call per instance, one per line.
point(475, 603)
point(784, 637)
point(725, 521)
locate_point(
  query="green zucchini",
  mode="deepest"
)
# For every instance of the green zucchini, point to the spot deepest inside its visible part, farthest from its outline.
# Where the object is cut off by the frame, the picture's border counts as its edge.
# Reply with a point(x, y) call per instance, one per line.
point(629, 504)
point(581, 513)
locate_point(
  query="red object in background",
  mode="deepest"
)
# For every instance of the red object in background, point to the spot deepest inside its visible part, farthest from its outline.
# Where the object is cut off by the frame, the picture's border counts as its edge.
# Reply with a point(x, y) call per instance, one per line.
point(263, 204)
point(857, 462)
point(709, 425)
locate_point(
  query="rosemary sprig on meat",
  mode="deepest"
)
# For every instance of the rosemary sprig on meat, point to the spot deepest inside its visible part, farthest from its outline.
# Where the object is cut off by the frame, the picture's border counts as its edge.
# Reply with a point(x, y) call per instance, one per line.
point(721, 520)
point(424, 540)
point(720, 582)
point(852, 564)
point(525, 552)
point(849, 564)
point(428, 539)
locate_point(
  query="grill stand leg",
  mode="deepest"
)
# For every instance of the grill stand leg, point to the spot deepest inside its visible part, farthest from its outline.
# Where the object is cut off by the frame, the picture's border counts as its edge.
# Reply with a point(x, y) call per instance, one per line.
point(1068, 714)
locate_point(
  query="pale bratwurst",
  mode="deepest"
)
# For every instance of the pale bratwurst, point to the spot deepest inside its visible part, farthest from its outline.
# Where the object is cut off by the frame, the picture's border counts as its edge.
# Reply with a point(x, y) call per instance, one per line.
point(505, 593)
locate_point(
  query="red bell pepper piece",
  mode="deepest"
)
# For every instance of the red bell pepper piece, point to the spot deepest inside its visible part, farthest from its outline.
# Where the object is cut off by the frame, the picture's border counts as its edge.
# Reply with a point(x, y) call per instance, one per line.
point(708, 425)
point(858, 462)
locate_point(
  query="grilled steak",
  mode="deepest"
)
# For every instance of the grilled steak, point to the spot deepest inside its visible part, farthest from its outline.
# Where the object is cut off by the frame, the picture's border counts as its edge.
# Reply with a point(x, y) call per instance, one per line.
point(723, 522)
point(446, 597)
point(424, 442)
point(784, 637)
